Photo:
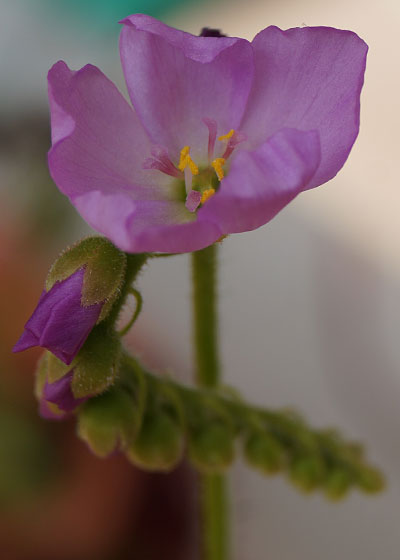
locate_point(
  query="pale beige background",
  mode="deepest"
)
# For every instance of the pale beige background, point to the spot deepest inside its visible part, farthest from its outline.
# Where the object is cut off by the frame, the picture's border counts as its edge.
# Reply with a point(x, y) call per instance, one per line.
point(311, 304)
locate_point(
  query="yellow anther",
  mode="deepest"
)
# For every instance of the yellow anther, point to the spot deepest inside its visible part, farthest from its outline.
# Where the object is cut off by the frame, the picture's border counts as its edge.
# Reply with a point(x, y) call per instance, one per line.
point(192, 166)
point(183, 159)
point(226, 136)
point(217, 165)
point(208, 193)
point(186, 161)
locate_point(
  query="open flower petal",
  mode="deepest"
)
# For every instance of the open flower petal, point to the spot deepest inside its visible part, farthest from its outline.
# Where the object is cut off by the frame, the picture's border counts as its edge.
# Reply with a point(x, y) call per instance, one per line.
point(179, 238)
point(310, 79)
point(176, 79)
point(260, 183)
point(98, 142)
point(223, 133)
point(146, 226)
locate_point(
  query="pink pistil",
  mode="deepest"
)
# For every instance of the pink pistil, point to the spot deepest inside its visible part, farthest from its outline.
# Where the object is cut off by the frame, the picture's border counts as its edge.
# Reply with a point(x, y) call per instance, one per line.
point(193, 200)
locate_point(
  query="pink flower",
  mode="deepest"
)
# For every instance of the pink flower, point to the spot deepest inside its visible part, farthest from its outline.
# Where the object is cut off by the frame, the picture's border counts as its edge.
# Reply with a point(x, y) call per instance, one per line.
point(221, 135)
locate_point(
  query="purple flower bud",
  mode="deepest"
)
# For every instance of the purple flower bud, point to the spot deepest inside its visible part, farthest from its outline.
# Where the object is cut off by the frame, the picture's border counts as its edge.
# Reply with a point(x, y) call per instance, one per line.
point(59, 393)
point(60, 322)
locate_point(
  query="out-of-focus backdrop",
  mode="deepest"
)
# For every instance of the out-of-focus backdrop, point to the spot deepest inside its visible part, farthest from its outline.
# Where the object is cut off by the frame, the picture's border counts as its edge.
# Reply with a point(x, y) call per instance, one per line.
point(310, 309)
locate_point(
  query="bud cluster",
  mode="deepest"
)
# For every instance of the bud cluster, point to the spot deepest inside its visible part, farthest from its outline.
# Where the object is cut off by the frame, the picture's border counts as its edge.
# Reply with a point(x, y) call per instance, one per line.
point(75, 321)
point(153, 420)
point(157, 419)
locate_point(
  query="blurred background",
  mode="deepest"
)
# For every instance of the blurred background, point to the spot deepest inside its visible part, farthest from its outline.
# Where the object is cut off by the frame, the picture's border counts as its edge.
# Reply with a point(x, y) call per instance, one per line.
point(310, 309)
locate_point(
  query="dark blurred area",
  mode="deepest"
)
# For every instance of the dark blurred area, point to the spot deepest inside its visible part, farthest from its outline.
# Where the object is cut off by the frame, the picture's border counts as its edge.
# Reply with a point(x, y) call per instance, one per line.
point(58, 501)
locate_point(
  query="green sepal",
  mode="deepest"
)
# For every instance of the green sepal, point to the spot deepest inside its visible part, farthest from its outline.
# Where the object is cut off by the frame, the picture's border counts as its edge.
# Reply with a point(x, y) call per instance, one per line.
point(264, 453)
point(104, 265)
point(108, 422)
point(95, 367)
point(41, 376)
point(56, 369)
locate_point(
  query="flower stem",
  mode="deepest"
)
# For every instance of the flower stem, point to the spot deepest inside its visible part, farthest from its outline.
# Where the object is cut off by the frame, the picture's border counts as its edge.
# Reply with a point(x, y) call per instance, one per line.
point(205, 316)
point(214, 503)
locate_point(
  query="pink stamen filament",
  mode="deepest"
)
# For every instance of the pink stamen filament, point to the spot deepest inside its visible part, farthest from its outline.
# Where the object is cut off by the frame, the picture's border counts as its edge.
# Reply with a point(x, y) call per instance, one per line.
point(193, 200)
point(212, 136)
point(162, 162)
point(236, 139)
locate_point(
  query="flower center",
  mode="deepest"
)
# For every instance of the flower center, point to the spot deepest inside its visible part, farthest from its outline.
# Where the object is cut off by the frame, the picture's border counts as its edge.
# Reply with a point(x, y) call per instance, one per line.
point(202, 182)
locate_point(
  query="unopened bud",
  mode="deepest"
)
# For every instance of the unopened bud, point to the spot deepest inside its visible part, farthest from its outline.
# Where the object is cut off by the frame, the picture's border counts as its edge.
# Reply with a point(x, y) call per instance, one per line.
point(108, 422)
point(159, 444)
point(61, 388)
point(80, 288)
point(337, 484)
point(264, 453)
point(371, 480)
point(307, 472)
point(211, 446)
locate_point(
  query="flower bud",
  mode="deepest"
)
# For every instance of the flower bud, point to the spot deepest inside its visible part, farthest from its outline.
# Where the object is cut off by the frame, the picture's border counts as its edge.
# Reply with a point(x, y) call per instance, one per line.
point(211, 446)
point(108, 422)
point(371, 480)
point(307, 472)
point(159, 444)
point(81, 286)
point(264, 453)
point(337, 483)
point(56, 400)
point(61, 388)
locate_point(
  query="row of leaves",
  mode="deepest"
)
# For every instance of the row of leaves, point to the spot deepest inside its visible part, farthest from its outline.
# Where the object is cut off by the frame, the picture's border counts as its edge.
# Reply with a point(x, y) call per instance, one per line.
point(155, 420)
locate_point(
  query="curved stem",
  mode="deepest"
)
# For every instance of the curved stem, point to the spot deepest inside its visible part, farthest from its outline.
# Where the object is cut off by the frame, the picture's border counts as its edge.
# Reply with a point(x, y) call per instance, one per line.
point(214, 503)
point(134, 264)
point(139, 304)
